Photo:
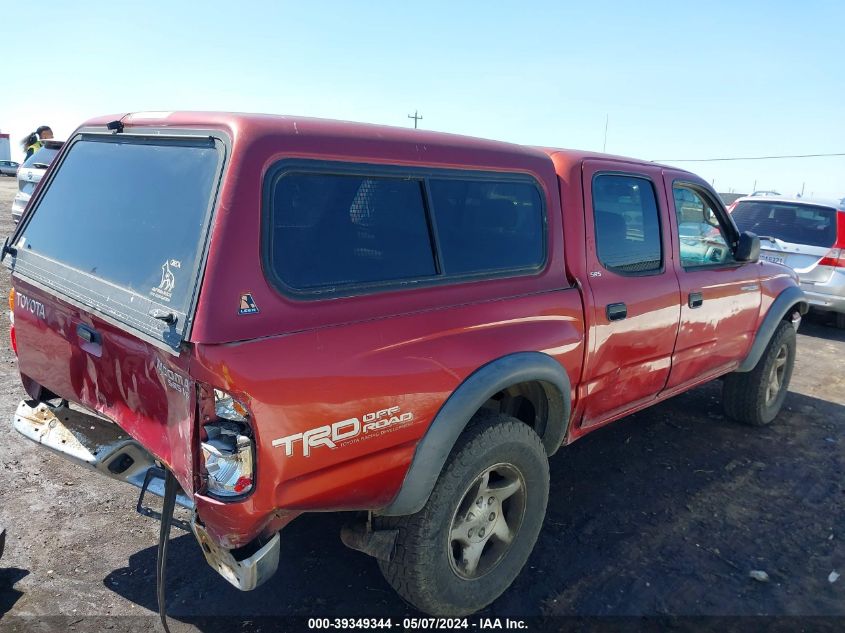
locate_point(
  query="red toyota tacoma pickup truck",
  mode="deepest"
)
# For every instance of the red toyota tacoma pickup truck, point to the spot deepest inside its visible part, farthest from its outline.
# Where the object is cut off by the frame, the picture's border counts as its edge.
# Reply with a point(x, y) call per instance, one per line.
point(287, 315)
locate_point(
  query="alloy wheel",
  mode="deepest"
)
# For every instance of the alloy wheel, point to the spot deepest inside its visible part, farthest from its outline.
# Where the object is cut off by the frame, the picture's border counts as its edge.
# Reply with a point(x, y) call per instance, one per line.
point(775, 383)
point(486, 521)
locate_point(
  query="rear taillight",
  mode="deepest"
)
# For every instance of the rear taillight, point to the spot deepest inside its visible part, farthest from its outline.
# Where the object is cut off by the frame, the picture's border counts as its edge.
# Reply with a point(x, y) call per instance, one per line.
point(836, 255)
point(228, 452)
point(13, 339)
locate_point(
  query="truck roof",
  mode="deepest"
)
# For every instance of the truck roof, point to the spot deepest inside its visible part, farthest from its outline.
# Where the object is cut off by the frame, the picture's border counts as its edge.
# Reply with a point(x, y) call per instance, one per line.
point(464, 149)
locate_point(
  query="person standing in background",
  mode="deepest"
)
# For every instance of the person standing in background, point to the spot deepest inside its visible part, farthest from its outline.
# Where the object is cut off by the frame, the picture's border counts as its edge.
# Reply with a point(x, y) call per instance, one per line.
point(32, 142)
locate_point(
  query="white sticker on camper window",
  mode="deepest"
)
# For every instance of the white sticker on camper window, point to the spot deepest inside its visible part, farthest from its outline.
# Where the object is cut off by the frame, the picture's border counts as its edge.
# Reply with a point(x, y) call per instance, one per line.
point(164, 290)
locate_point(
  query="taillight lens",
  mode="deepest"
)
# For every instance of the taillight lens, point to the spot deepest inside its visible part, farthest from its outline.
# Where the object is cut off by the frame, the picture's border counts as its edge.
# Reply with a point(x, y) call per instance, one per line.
point(228, 451)
point(836, 256)
point(13, 339)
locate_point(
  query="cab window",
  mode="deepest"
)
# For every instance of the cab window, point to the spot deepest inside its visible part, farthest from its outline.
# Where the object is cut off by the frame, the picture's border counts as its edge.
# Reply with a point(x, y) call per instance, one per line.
point(703, 239)
point(627, 224)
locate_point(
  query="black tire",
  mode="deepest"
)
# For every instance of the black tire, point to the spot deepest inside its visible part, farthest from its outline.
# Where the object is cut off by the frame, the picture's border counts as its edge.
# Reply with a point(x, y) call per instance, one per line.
point(746, 397)
point(839, 320)
point(428, 567)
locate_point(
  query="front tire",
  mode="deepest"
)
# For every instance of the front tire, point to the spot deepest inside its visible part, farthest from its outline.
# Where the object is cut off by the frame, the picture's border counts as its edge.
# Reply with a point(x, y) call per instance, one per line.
point(475, 533)
point(756, 397)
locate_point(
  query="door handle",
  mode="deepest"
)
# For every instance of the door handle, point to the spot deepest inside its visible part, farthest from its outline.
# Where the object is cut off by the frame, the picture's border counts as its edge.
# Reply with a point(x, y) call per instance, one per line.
point(87, 334)
point(616, 311)
point(695, 300)
point(92, 342)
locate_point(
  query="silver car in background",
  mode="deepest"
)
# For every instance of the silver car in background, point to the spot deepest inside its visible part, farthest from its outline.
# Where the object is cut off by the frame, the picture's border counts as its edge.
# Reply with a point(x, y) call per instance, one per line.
point(806, 235)
point(8, 168)
point(30, 173)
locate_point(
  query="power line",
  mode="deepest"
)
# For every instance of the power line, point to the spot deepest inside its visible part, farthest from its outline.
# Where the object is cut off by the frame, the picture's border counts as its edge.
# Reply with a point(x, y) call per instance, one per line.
point(710, 160)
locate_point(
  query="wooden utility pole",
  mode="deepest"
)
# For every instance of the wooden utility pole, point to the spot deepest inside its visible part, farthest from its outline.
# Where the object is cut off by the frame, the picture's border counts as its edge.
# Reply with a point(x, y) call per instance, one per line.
point(416, 117)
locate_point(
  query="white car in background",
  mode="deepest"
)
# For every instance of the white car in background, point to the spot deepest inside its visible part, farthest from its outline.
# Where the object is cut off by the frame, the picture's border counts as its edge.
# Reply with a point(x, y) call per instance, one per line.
point(8, 168)
point(806, 235)
point(30, 173)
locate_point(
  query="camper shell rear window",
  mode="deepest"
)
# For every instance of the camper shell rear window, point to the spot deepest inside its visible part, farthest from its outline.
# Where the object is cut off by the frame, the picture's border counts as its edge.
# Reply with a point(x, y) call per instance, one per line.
point(121, 228)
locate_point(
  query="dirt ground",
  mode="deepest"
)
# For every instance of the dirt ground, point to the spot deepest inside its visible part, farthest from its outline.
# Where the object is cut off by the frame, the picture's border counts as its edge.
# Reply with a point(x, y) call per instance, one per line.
point(662, 514)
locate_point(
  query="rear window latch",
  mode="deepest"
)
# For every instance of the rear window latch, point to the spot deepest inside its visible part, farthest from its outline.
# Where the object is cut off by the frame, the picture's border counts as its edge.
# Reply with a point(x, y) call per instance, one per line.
point(164, 315)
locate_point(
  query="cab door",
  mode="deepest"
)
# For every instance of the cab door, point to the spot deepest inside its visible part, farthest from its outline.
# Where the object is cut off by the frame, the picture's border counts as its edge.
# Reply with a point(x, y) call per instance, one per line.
point(635, 294)
point(720, 297)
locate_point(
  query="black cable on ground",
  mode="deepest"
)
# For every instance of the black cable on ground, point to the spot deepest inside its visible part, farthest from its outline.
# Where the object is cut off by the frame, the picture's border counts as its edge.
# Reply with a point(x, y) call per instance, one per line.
point(170, 488)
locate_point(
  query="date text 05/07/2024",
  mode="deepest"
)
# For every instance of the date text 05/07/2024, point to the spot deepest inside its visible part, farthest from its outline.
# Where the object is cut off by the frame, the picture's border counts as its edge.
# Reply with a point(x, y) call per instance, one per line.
point(430, 624)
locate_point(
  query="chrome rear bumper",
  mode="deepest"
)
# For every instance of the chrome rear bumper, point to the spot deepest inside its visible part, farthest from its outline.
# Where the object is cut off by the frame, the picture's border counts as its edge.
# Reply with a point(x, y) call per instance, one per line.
point(97, 443)
point(91, 441)
point(245, 573)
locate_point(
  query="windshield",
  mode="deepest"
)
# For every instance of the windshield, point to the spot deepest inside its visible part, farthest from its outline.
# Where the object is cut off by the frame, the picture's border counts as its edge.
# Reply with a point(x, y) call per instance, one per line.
point(795, 223)
point(129, 212)
point(41, 158)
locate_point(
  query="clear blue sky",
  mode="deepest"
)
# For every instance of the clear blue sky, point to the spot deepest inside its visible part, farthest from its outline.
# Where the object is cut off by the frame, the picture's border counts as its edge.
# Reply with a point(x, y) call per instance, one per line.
point(677, 79)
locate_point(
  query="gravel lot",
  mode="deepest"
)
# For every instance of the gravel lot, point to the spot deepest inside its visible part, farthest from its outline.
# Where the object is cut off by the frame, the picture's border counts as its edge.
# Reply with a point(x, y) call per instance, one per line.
point(663, 513)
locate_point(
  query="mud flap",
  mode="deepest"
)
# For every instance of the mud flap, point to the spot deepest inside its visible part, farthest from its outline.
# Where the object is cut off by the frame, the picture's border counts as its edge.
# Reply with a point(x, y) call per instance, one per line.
point(361, 537)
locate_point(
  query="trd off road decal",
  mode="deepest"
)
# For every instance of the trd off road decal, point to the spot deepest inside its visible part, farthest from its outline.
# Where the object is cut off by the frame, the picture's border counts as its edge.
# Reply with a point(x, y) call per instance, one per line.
point(164, 290)
point(346, 432)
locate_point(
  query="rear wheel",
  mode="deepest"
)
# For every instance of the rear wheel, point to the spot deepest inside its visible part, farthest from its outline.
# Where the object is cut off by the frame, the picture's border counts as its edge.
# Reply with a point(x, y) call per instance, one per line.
point(478, 527)
point(756, 397)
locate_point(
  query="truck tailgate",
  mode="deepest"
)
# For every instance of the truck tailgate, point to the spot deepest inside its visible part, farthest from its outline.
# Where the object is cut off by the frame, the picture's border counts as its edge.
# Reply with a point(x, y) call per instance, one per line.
point(83, 358)
point(106, 269)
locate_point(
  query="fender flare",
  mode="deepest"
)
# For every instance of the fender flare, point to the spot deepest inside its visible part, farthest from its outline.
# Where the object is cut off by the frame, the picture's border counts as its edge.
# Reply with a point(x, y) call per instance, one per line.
point(785, 301)
point(452, 418)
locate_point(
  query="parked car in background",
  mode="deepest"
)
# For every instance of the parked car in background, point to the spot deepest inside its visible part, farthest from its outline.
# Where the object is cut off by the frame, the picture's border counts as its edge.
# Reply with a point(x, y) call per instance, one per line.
point(30, 173)
point(8, 167)
point(806, 235)
point(754, 194)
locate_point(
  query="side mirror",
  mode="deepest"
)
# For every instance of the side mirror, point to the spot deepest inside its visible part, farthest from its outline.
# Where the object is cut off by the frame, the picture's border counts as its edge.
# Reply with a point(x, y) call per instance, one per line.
point(748, 248)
